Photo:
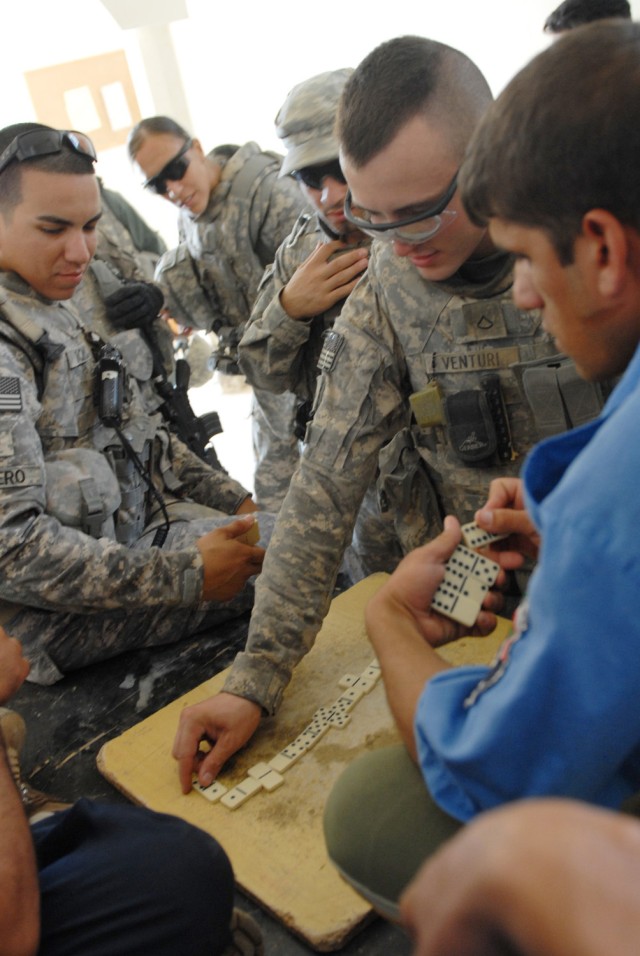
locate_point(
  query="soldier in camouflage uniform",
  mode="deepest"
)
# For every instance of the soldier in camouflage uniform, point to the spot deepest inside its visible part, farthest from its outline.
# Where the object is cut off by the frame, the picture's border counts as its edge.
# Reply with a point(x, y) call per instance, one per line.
point(303, 291)
point(234, 213)
point(430, 368)
point(125, 240)
point(87, 490)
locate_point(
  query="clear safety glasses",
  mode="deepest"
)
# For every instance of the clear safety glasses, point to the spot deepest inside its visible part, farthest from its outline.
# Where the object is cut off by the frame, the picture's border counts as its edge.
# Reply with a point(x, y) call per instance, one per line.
point(420, 226)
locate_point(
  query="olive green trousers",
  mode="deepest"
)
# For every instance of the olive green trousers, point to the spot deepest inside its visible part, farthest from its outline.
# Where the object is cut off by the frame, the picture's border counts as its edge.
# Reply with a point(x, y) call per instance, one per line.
point(380, 824)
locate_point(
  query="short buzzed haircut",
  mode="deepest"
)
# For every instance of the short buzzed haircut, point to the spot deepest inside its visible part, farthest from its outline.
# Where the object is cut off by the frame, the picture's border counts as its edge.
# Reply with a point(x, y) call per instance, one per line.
point(575, 13)
point(561, 138)
point(67, 161)
point(401, 79)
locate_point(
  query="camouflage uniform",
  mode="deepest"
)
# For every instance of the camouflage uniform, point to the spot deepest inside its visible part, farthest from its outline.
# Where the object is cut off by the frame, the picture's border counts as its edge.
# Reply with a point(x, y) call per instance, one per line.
point(396, 339)
point(211, 281)
point(98, 283)
point(78, 588)
point(277, 352)
point(118, 228)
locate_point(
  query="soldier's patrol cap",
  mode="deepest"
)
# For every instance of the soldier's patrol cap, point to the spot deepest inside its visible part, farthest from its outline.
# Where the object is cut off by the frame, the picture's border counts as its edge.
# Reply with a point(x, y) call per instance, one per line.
point(306, 119)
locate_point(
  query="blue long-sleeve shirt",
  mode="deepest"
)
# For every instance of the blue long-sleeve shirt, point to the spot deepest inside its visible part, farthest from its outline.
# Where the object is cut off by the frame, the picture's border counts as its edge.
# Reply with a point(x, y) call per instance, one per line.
point(559, 712)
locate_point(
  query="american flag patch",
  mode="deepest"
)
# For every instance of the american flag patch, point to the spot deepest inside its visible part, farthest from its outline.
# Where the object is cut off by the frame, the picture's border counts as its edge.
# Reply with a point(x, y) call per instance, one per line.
point(331, 348)
point(10, 397)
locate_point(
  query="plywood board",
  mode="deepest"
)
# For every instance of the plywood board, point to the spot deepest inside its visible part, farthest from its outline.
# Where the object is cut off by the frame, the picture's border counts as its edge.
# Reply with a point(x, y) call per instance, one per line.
point(275, 839)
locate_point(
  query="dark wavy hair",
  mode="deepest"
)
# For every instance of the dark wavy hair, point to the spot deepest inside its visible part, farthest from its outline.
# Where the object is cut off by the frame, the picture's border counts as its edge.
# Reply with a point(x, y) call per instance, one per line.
point(562, 139)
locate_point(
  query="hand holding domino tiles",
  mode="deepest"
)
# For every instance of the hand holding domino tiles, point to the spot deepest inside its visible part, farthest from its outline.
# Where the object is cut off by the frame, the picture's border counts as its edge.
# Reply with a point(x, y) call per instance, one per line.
point(444, 582)
point(404, 627)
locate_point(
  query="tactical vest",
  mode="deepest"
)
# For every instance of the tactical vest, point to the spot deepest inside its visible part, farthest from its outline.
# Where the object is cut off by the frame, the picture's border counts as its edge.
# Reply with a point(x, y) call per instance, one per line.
point(212, 277)
point(64, 367)
point(485, 383)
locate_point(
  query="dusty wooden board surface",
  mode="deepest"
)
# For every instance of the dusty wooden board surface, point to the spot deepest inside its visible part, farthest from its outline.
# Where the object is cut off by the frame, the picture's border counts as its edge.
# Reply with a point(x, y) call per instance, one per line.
point(275, 840)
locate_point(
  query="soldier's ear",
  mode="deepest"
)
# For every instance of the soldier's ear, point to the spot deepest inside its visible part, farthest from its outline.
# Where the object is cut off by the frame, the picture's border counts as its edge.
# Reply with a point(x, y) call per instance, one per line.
point(197, 146)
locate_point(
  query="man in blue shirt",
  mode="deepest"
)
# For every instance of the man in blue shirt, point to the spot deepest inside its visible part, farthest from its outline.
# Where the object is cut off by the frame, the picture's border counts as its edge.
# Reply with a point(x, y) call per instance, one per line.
point(557, 714)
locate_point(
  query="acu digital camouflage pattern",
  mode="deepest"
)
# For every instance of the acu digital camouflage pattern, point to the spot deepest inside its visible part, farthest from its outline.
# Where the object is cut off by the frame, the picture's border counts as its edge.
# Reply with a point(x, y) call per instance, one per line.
point(277, 352)
point(306, 120)
point(116, 244)
point(211, 281)
point(98, 283)
point(84, 598)
point(397, 334)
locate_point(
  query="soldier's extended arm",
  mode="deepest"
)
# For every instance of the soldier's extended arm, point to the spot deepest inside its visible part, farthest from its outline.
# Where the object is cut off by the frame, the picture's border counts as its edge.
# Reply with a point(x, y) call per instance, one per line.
point(361, 407)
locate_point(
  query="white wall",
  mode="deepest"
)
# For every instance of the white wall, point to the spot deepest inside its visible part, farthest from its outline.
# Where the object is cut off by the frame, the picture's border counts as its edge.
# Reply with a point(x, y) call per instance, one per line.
point(239, 59)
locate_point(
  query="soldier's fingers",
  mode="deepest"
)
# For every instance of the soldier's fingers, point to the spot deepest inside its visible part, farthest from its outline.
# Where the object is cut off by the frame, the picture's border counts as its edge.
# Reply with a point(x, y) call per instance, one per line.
point(344, 267)
point(190, 732)
point(186, 767)
point(213, 762)
point(242, 525)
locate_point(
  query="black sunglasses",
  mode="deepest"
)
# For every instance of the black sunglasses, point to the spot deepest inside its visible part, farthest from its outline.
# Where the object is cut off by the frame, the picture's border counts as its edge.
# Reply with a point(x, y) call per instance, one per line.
point(313, 176)
point(44, 142)
point(172, 171)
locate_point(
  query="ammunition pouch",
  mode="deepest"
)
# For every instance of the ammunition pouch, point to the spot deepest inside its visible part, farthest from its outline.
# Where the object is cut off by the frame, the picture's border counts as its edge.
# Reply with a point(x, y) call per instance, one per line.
point(557, 396)
point(82, 491)
point(406, 491)
point(131, 516)
point(478, 424)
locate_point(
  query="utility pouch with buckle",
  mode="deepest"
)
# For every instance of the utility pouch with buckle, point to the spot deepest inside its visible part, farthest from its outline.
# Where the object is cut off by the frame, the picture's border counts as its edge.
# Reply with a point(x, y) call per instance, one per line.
point(471, 430)
point(405, 491)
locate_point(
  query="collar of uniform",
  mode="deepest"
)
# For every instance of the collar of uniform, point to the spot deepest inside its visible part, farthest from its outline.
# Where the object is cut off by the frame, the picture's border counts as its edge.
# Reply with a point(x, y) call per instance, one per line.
point(481, 277)
point(15, 283)
point(231, 166)
point(363, 242)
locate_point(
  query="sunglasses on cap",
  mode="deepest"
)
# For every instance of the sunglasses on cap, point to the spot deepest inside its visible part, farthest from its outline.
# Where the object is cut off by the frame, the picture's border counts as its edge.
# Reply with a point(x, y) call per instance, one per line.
point(173, 171)
point(420, 226)
point(44, 142)
point(313, 176)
